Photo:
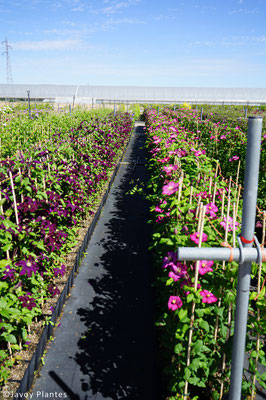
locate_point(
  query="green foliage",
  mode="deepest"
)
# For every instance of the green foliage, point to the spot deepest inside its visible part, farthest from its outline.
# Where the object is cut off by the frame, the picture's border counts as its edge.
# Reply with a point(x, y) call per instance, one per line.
point(179, 139)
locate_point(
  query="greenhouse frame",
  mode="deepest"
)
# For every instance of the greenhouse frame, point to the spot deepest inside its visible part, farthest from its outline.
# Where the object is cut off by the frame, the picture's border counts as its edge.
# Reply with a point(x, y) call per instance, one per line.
point(132, 94)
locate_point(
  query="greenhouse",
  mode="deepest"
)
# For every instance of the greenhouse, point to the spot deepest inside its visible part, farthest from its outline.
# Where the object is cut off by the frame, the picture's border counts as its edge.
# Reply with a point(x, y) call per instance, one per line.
point(129, 94)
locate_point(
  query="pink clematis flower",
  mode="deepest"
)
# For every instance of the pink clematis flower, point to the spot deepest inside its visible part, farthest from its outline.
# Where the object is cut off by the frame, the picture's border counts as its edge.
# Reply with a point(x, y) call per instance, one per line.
point(208, 297)
point(230, 223)
point(178, 271)
point(170, 188)
point(234, 158)
point(158, 209)
point(211, 209)
point(205, 266)
point(170, 259)
point(195, 237)
point(157, 139)
point(173, 128)
point(174, 303)
point(169, 169)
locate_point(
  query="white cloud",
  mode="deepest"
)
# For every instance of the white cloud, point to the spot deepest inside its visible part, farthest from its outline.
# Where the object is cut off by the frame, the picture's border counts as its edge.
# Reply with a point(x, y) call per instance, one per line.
point(69, 44)
point(117, 21)
point(246, 11)
point(115, 6)
point(232, 41)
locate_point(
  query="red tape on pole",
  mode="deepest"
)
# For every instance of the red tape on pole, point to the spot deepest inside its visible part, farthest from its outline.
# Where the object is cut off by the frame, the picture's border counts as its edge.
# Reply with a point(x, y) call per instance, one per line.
point(245, 240)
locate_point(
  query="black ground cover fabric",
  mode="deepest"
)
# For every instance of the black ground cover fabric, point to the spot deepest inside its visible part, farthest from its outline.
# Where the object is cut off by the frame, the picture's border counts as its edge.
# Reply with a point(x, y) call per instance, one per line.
point(104, 347)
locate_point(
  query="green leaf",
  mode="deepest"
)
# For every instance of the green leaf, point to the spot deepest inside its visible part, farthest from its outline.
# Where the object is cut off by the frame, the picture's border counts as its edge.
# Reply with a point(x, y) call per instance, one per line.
point(10, 338)
point(223, 331)
point(199, 312)
point(195, 364)
point(187, 373)
point(9, 212)
point(4, 263)
point(169, 282)
point(178, 348)
point(185, 327)
point(7, 247)
point(193, 380)
point(204, 325)
point(190, 297)
point(166, 241)
point(182, 313)
point(252, 295)
point(3, 302)
point(197, 348)
point(201, 384)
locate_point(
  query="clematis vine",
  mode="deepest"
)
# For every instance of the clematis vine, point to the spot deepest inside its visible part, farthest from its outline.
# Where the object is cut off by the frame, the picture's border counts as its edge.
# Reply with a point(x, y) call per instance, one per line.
point(28, 301)
point(169, 169)
point(211, 209)
point(196, 236)
point(234, 158)
point(208, 297)
point(205, 267)
point(170, 188)
point(230, 223)
point(174, 303)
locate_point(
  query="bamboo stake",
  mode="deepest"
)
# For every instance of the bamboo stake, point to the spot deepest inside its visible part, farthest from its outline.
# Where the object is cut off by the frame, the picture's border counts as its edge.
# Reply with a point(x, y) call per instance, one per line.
point(253, 393)
point(234, 224)
point(229, 323)
point(14, 196)
point(198, 207)
point(229, 317)
point(216, 170)
point(201, 225)
point(190, 195)
point(44, 183)
point(237, 174)
point(180, 186)
point(229, 187)
point(210, 185)
point(9, 348)
point(238, 198)
point(222, 210)
point(214, 193)
point(223, 268)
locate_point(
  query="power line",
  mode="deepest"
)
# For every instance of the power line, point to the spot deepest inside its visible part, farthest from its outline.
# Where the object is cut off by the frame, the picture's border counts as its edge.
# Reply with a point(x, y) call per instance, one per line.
point(9, 78)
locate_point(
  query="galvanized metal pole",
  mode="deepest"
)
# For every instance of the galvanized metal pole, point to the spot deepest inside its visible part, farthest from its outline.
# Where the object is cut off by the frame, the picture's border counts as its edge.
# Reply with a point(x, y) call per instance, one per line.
point(201, 112)
point(28, 92)
point(247, 235)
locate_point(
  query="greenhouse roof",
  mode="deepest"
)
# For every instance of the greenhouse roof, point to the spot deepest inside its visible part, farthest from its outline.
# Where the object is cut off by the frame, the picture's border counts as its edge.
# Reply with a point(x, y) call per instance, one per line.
point(134, 93)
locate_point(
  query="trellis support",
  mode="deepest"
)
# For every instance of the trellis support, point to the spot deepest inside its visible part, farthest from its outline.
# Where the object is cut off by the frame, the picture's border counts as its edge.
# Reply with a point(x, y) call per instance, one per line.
point(245, 254)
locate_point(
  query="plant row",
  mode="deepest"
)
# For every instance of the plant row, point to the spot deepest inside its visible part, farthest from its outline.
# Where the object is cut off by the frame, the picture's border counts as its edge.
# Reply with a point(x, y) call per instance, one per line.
point(225, 137)
point(193, 206)
point(46, 192)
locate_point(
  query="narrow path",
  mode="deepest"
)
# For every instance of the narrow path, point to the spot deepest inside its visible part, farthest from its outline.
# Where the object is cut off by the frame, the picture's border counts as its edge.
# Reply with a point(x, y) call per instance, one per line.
point(104, 348)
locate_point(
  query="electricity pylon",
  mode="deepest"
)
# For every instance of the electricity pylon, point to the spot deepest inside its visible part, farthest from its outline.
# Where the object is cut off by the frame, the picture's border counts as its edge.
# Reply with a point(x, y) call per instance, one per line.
point(9, 78)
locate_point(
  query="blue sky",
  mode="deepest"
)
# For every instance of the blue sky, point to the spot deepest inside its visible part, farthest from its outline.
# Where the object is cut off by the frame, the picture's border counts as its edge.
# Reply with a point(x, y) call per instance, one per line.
point(204, 43)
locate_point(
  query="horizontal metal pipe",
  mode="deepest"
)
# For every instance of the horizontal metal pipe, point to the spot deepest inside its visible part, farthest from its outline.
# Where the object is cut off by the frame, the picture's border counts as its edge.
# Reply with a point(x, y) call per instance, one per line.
point(216, 254)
